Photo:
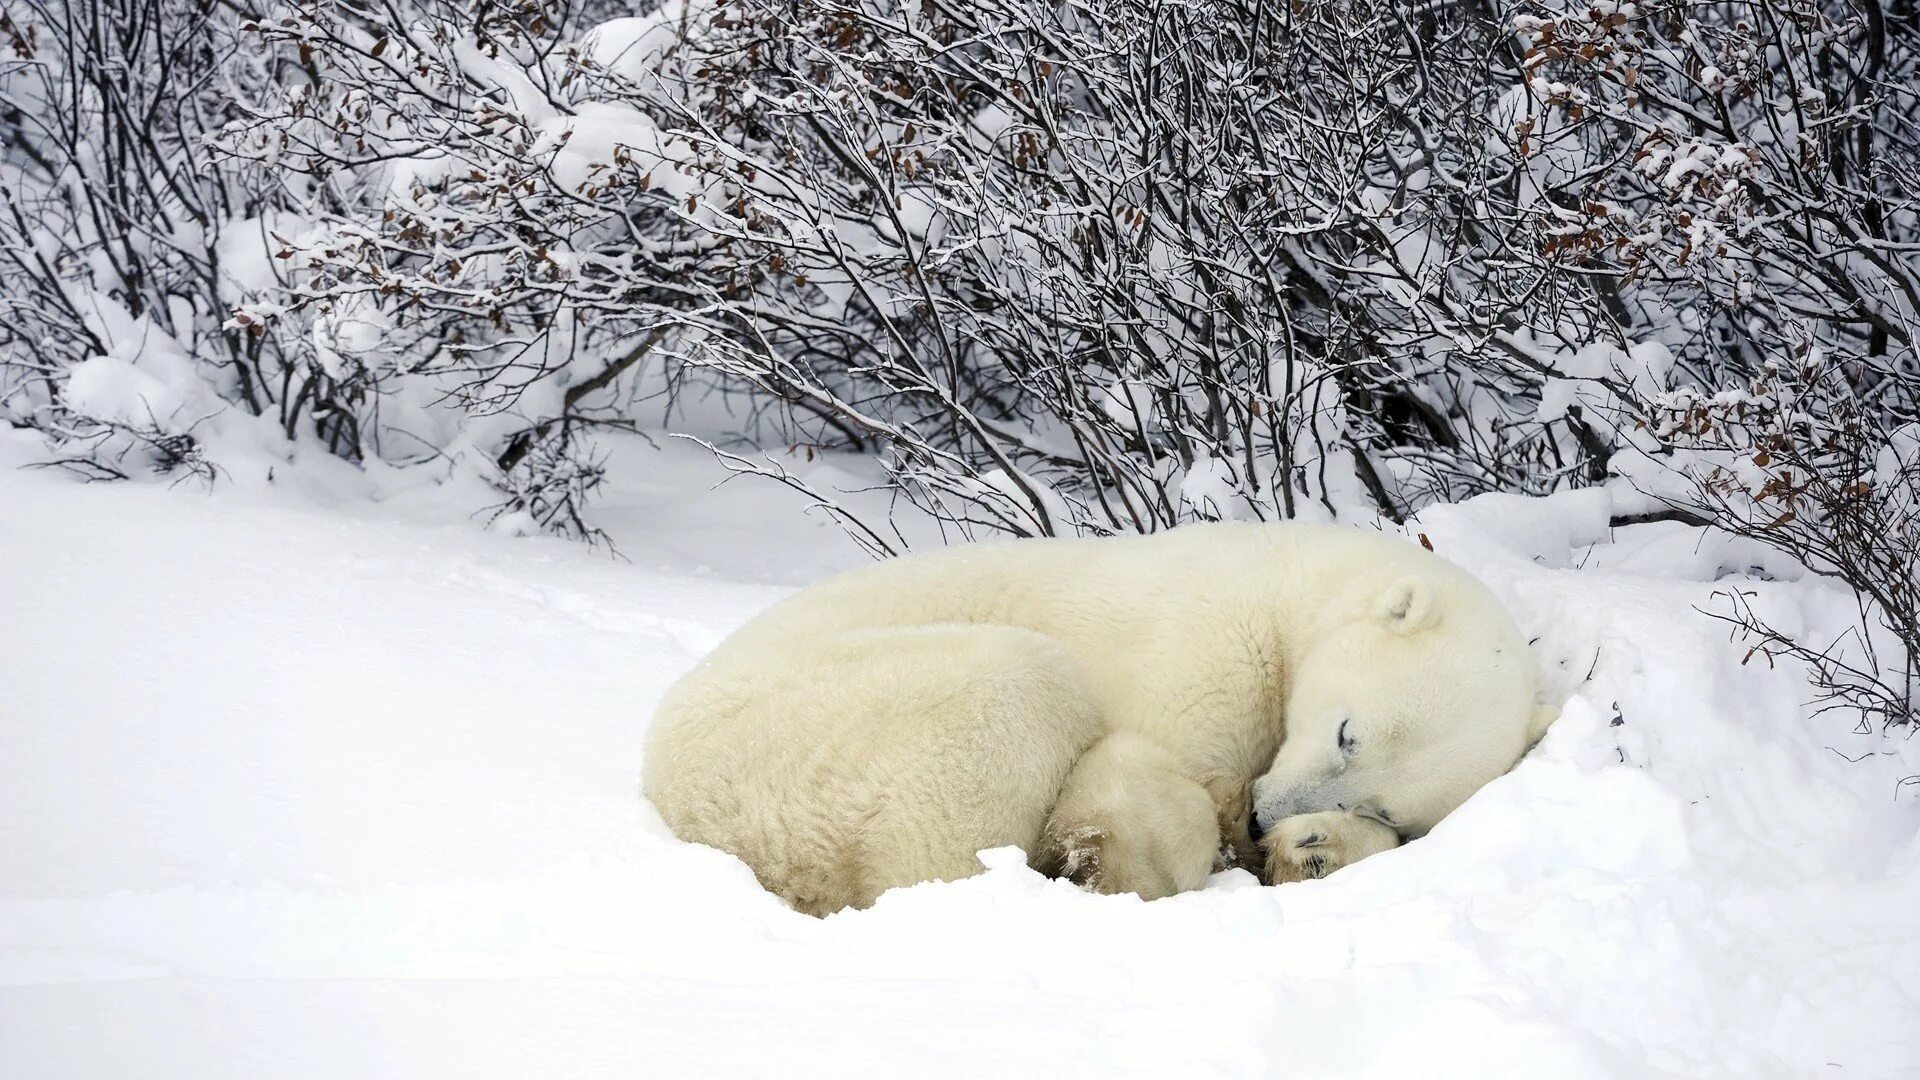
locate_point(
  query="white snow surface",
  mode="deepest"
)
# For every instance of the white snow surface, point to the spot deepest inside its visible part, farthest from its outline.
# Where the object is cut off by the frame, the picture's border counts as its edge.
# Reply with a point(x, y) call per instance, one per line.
point(290, 791)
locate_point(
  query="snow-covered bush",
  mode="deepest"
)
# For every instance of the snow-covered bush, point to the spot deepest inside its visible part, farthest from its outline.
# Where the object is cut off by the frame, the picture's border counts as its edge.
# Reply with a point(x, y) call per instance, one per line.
point(1753, 220)
point(126, 243)
point(1106, 266)
point(494, 245)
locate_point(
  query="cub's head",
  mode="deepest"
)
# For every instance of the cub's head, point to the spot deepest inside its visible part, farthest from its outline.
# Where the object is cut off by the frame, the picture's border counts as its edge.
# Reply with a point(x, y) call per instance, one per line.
point(1423, 692)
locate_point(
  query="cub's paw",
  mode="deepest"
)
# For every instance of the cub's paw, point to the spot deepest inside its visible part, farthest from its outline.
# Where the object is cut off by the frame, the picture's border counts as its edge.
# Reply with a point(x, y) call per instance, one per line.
point(1315, 845)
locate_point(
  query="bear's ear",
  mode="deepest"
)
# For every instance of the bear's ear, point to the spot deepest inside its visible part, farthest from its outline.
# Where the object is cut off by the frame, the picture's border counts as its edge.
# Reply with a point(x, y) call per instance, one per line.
point(1543, 717)
point(1408, 605)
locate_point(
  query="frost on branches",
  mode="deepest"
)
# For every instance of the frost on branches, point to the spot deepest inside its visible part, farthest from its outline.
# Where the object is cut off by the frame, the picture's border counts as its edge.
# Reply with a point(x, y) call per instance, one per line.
point(1099, 267)
point(1752, 202)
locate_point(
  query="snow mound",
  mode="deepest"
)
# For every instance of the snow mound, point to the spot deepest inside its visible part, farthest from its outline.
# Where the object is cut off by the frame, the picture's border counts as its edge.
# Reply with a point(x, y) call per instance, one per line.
point(295, 793)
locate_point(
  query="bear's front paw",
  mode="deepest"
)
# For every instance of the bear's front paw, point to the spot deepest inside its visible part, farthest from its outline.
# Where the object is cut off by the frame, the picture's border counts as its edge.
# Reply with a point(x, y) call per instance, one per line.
point(1315, 845)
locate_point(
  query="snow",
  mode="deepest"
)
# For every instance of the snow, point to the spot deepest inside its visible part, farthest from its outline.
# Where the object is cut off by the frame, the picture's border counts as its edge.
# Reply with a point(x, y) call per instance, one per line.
point(640, 48)
point(295, 791)
point(109, 388)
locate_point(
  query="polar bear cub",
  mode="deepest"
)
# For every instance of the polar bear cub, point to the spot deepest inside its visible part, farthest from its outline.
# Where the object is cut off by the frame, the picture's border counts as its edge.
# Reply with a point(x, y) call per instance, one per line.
point(1104, 704)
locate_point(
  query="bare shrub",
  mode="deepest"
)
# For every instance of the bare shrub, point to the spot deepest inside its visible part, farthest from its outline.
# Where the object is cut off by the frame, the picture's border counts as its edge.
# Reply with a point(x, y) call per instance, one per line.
point(1100, 267)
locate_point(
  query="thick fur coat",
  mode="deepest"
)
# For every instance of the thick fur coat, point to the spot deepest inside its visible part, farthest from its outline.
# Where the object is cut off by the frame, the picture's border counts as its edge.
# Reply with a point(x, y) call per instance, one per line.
point(1113, 706)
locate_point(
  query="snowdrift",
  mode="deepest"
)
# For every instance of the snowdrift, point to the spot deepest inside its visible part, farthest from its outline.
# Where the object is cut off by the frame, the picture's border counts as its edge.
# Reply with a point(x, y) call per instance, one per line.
point(297, 793)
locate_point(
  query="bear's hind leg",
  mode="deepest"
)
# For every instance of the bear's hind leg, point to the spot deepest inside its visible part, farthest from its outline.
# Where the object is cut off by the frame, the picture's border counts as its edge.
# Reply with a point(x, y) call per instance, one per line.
point(974, 732)
point(1129, 822)
point(840, 767)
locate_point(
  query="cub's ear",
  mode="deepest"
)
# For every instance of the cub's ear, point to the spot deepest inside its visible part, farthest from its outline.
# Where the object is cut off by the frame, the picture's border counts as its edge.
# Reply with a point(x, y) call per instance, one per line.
point(1408, 605)
point(1543, 717)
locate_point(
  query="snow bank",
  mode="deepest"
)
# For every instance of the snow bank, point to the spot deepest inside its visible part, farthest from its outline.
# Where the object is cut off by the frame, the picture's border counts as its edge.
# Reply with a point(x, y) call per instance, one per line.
point(112, 389)
point(300, 794)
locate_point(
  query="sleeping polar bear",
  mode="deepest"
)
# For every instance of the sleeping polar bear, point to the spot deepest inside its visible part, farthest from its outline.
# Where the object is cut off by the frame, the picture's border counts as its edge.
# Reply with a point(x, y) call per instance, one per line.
point(1104, 704)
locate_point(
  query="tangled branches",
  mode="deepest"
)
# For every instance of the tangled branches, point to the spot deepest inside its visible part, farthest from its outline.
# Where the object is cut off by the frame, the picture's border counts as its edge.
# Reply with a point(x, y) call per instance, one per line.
point(1101, 267)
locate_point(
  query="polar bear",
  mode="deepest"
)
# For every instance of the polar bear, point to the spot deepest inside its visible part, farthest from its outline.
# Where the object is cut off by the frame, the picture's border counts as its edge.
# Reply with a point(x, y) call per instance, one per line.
point(1104, 704)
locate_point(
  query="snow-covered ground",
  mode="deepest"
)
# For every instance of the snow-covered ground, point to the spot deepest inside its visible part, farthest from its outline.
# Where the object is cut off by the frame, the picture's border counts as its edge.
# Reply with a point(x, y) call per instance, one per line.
point(291, 790)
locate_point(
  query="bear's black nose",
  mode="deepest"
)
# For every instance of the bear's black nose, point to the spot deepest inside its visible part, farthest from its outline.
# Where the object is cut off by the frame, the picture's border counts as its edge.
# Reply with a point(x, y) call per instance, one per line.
point(1253, 827)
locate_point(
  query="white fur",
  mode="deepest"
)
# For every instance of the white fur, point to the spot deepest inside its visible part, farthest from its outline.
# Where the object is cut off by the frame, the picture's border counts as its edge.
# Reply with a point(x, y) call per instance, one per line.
point(1102, 703)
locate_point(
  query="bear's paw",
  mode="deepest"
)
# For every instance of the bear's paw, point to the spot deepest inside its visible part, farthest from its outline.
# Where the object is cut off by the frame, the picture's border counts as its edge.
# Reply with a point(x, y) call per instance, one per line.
point(1074, 855)
point(1309, 846)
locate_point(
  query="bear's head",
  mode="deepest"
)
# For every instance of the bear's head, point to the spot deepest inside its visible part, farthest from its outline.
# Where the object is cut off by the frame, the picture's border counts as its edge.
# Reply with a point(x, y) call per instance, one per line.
point(1420, 694)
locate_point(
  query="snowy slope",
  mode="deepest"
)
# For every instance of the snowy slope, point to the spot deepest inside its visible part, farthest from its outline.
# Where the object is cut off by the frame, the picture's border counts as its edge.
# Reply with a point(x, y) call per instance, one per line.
point(291, 792)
